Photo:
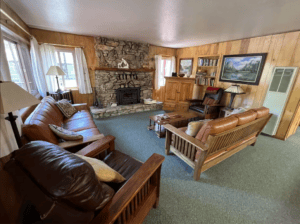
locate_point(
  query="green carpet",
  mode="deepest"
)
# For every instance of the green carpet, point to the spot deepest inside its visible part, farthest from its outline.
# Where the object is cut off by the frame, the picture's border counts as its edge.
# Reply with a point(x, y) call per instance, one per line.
point(260, 184)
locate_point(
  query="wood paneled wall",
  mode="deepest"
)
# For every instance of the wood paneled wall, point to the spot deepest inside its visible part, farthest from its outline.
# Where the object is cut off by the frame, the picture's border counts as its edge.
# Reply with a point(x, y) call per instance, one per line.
point(283, 50)
point(87, 42)
point(5, 21)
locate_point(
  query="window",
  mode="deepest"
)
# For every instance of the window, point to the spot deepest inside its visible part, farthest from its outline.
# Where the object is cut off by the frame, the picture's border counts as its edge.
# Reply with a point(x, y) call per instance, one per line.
point(166, 70)
point(65, 59)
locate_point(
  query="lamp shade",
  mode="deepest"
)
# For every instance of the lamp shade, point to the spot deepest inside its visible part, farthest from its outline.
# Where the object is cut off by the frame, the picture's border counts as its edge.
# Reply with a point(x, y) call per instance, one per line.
point(55, 70)
point(13, 97)
point(235, 89)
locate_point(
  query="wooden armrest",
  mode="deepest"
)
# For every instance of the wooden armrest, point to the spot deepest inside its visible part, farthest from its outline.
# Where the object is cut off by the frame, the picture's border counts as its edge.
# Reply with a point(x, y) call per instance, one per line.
point(186, 137)
point(124, 196)
point(97, 147)
point(69, 144)
point(215, 105)
point(194, 100)
point(81, 106)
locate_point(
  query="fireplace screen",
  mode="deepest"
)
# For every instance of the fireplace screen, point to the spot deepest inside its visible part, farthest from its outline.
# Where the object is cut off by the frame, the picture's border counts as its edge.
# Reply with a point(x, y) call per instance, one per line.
point(127, 96)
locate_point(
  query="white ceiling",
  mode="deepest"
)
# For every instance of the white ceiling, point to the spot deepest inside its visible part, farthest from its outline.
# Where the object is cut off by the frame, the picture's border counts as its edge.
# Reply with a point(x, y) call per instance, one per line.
point(169, 23)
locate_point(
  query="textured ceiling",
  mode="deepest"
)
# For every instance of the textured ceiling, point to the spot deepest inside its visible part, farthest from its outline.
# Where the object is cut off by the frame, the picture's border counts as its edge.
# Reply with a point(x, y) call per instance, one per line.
point(169, 23)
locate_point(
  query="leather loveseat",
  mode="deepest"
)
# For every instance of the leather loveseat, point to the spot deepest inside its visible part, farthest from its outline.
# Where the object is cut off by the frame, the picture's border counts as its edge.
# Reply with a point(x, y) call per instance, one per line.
point(36, 125)
point(217, 139)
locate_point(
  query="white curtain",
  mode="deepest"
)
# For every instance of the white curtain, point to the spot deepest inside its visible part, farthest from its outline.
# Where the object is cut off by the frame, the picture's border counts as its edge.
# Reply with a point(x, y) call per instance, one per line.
point(158, 70)
point(49, 59)
point(7, 138)
point(84, 83)
point(173, 69)
point(37, 67)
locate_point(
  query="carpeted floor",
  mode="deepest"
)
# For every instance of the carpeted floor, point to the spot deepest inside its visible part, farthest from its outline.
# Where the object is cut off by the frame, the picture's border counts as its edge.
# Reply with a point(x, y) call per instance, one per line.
point(260, 184)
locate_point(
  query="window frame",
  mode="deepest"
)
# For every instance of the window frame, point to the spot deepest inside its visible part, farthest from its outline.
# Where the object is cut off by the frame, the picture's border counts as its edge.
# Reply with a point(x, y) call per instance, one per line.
point(71, 50)
point(21, 61)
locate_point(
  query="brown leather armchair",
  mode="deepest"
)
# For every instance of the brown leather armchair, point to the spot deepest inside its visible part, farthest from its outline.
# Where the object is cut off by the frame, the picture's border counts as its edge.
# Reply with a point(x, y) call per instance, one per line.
point(208, 111)
point(131, 202)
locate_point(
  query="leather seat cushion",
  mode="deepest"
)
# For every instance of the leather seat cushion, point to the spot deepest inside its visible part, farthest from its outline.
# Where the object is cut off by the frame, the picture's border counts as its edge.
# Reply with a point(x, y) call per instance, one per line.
point(216, 126)
point(122, 163)
point(199, 108)
point(80, 124)
point(246, 117)
point(78, 115)
point(261, 112)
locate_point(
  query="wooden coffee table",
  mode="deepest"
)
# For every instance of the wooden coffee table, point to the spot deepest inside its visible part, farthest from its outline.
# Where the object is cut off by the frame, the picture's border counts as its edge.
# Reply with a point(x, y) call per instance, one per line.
point(177, 119)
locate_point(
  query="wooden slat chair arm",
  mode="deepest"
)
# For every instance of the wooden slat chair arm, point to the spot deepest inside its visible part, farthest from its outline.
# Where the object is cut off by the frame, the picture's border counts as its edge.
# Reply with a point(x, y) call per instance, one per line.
point(130, 189)
point(199, 145)
point(81, 106)
point(98, 147)
point(85, 140)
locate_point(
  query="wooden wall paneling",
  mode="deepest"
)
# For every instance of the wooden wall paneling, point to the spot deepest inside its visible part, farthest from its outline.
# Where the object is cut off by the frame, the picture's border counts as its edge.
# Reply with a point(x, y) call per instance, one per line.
point(5, 21)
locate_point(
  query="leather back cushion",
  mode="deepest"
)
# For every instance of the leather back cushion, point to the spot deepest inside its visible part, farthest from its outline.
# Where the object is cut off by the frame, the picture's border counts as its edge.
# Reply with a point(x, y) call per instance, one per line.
point(261, 112)
point(36, 125)
point(246, 117)
point(216, 126)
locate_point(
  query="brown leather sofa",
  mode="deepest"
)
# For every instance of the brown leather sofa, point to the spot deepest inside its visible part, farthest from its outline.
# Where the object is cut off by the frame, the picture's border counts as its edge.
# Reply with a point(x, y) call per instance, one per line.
point(36, 124)
point(217, 139)
point(44, 198)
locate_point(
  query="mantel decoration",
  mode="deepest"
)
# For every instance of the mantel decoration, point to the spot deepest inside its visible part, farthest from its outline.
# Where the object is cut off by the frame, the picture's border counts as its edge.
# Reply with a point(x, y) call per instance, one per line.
point(186, 66)
point(123, 64)
point(244, 68)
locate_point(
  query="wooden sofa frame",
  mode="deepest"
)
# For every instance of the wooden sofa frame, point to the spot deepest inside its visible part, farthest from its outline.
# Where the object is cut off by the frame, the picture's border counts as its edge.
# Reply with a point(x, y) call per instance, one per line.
point(136, 197)
point(218, 147)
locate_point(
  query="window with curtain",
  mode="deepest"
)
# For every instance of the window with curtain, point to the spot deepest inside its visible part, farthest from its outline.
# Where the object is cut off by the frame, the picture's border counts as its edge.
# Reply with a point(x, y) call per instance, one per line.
point(65, 59)
point(20, 65)
point(166, 70)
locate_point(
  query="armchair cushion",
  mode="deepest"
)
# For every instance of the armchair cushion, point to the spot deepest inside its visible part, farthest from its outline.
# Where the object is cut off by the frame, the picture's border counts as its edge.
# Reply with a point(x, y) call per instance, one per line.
point(103, 172)
point(62, 176)
point(123, 164)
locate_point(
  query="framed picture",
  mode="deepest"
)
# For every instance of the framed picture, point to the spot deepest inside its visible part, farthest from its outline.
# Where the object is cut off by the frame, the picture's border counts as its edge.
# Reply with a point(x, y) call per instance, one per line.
point(186, 66)
point(243, 68)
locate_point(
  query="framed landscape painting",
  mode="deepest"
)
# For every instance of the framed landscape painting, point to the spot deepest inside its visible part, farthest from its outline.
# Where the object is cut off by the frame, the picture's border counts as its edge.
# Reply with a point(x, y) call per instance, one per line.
point(186, 66)
point(244, 68)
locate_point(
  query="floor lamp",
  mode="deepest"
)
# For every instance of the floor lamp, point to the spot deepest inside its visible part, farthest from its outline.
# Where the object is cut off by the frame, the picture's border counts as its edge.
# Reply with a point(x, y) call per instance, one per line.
point(12, 98)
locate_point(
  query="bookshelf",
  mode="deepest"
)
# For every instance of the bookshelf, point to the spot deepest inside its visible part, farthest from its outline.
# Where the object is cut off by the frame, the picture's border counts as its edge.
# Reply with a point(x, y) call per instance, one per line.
point(207, 68)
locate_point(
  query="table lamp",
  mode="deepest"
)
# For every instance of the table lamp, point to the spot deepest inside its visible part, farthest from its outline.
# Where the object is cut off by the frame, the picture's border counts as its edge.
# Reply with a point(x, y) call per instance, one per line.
point(56, 70)
point(12, 98)
point(234, 90)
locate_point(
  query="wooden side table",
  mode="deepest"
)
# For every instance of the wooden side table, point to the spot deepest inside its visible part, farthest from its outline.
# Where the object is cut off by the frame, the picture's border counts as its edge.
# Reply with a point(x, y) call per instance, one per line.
point(62, 95)
point(225, 112)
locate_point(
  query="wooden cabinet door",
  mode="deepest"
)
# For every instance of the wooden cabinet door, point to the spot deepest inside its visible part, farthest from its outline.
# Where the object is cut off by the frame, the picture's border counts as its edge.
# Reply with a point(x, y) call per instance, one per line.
point(185, 91)
point(183, 107)
point(171, 91)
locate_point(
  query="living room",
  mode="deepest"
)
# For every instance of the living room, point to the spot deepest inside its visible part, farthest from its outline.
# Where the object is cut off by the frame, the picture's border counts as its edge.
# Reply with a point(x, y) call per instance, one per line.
point(193, 107)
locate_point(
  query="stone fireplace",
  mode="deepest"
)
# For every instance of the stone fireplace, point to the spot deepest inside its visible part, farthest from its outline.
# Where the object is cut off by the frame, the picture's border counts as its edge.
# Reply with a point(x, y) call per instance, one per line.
point(126, 96)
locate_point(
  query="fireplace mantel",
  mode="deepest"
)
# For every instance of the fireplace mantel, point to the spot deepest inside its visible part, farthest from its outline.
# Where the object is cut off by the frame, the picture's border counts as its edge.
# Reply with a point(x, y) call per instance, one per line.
point(124, 69)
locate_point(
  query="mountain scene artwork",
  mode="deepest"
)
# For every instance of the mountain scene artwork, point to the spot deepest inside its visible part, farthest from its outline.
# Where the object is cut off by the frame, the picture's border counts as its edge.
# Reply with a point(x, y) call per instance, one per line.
point(242, 69)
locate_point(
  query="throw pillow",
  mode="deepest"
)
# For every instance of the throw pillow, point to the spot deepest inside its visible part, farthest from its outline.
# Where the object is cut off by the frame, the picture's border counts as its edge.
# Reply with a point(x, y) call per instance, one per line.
point(66, 108)
point(103, 172)
point(209, 101)
point(65, 134)
point(194, 127)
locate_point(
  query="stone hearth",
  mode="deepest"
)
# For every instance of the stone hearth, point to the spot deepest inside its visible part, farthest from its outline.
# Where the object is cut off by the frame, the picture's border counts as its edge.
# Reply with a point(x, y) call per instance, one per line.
point(124, 109)
point(107, 82)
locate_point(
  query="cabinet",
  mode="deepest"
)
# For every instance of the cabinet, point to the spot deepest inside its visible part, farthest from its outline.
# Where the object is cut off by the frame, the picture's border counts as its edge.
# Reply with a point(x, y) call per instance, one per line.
point(177, 92)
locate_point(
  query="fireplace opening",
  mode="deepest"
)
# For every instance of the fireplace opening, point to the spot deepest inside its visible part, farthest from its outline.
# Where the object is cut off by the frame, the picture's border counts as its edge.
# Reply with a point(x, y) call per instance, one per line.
point(130, 95)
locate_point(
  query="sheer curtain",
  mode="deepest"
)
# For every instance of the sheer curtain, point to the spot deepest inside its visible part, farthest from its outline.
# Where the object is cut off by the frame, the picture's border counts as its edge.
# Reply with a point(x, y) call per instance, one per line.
point(158, 70)
point(37, 67)
point(84, 83)
point(7, 138)
point(48, 60)
point(173, 69)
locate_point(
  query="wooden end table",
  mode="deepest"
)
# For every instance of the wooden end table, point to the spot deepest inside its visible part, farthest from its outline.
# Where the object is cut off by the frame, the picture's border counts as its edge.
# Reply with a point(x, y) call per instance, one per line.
point(180, 121)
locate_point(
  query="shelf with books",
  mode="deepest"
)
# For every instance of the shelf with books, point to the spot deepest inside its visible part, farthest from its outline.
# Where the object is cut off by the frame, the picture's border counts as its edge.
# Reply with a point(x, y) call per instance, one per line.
point(208, 61)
